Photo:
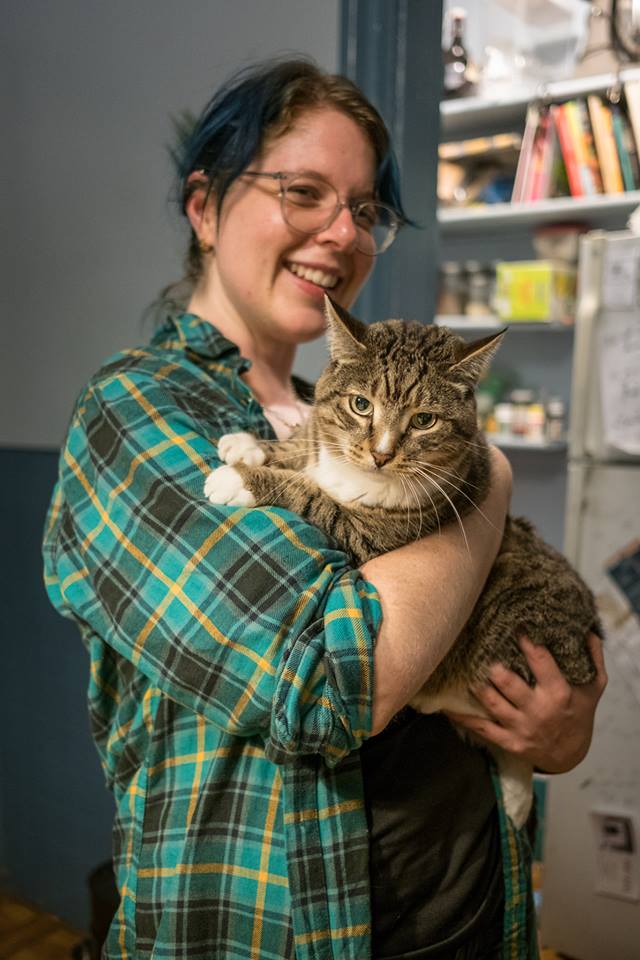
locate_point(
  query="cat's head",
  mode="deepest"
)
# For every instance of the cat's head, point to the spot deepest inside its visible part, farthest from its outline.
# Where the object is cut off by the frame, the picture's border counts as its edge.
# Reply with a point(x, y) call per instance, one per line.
point(397, 393)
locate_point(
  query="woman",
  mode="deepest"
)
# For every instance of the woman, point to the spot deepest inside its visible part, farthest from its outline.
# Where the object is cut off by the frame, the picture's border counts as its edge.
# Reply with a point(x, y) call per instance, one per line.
point(238, 661)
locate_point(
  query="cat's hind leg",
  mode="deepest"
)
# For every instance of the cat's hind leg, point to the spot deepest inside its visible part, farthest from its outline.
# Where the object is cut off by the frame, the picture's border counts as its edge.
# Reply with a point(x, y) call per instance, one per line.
point(516, 783)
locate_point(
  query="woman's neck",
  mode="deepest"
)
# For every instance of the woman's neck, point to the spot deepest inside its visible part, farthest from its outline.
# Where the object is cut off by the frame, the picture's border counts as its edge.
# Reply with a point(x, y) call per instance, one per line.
point(271, 361)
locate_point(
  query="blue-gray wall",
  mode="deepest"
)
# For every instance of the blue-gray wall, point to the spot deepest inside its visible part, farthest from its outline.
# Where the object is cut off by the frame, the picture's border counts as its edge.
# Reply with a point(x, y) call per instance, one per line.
point(56, 810)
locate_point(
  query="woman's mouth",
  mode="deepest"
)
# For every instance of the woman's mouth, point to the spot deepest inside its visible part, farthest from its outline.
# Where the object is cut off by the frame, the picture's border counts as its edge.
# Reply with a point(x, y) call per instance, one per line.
point(327, 281)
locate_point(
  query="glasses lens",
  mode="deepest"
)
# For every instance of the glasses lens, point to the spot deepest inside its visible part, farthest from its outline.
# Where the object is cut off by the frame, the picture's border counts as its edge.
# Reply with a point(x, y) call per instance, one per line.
point(377, 227)
point(308, 203)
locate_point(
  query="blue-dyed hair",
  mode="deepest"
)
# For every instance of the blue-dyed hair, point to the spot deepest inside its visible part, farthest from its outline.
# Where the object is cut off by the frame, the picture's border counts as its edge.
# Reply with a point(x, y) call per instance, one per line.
point(259, 104)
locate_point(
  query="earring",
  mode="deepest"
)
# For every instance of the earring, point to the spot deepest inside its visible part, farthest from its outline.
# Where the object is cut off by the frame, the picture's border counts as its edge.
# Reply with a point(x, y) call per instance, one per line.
point(205, 247)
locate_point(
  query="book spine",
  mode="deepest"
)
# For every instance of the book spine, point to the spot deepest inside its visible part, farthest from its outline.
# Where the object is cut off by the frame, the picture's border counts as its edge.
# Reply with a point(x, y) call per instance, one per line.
point(521, 190)
point(587, 132)
point(566, 148)
point(606, 150)
point(576, 133)
point(619, 136)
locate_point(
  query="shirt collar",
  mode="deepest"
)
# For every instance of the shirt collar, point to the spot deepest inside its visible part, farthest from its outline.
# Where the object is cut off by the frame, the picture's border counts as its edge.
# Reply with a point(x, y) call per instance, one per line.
point(186, 331)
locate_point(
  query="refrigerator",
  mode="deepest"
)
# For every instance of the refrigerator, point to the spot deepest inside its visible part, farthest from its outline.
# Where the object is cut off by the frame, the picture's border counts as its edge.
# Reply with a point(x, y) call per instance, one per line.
point(590, 906)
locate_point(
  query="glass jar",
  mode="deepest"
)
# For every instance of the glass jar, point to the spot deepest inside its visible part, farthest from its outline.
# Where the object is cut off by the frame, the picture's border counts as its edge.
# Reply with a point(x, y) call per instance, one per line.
point(452, 290)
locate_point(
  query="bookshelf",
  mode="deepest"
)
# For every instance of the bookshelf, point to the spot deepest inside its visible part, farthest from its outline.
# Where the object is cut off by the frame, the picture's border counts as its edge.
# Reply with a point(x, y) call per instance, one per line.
point(537, 355)
point(597, 211)
point(459, 116)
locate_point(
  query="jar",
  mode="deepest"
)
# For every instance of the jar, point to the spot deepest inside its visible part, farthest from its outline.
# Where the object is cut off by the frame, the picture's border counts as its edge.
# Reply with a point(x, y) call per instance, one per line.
point(479, 287)
point(521, 399)
point(535, 422)
point(555, 419)
point(451, 290)
point(503, 414)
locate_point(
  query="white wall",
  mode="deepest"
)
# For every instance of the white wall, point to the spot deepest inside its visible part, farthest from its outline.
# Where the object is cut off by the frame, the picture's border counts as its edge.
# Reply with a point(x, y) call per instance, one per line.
point(89, 236)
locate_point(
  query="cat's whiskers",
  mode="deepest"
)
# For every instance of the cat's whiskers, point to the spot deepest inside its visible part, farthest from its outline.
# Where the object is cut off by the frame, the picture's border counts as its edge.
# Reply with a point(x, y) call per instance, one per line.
point(432, 480)
point(465, 495)
point(417, 499)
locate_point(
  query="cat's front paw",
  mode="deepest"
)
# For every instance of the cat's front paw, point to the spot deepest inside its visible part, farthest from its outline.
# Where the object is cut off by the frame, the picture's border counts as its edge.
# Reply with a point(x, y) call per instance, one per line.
point(240, 448)
point(225, 485)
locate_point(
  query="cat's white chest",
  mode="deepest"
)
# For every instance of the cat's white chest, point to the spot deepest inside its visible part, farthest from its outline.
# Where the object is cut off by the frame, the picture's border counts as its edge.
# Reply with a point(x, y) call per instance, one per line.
point(347, 483)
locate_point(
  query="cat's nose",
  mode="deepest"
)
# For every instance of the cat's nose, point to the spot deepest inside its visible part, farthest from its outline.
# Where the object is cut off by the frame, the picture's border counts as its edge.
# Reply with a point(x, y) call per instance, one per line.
point(381, 458)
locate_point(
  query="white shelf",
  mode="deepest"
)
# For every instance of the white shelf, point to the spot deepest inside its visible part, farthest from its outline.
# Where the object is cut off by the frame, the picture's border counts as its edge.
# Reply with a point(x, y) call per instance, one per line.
point(576, 209)
point(456, 115)
point(469, 324)
point(509, 441)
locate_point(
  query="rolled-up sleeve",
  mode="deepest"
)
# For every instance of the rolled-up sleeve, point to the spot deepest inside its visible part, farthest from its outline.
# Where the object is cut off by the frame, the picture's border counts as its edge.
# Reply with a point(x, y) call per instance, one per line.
point(251, 618)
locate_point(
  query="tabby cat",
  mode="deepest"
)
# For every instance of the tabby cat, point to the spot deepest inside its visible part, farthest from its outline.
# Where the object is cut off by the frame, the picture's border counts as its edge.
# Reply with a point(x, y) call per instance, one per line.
point(392, 451)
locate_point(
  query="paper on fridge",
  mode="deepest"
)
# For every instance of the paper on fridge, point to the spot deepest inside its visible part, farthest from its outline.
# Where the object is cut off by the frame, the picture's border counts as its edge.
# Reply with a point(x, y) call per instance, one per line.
point(620, 378)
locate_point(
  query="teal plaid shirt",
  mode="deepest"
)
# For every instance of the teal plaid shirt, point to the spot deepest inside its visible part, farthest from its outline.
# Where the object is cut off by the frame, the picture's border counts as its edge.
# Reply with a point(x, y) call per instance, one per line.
point(231, 668)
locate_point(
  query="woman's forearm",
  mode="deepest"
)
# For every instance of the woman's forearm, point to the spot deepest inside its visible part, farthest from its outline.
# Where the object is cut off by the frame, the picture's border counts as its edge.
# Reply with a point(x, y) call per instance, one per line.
point(428, 590)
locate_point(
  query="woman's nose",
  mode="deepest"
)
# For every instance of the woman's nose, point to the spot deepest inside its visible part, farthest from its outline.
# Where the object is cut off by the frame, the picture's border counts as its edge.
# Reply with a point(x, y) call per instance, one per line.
point(342, 231)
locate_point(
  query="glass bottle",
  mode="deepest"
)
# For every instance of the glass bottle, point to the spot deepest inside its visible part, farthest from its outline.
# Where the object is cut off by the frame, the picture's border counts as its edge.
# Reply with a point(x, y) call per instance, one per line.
point(455, 57)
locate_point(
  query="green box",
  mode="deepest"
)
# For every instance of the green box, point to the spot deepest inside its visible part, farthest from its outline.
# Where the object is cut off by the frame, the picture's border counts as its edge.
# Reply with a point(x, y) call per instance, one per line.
point(535, 291)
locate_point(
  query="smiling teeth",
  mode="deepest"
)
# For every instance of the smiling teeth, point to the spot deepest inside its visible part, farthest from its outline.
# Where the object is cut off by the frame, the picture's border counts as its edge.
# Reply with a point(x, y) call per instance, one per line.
point(326, 280)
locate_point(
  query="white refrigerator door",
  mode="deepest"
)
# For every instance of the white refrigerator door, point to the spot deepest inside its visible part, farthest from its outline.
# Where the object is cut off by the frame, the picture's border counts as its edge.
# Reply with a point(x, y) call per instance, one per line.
point(605, 395)
point(578, 918)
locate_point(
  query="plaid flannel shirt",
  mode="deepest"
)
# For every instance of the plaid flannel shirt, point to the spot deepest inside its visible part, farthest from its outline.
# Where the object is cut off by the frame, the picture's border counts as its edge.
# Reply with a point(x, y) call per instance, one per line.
point(231, 667)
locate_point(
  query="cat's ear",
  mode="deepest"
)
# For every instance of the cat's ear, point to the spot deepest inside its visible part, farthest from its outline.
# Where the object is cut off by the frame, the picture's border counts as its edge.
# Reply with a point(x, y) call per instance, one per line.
point(344, 333)
point(475, 357)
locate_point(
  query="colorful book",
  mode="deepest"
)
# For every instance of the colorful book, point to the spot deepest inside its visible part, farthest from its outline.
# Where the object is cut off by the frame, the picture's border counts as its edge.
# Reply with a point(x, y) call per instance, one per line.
point(577, 133)
point(521, 190)
point(606, 150)
point(619, 132)
point(566, 140)
point(545, 153)
point(589, 145)
point(632, 98)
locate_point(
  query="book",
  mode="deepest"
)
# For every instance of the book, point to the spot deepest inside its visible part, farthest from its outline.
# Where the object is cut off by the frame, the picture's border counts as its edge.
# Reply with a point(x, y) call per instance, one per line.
point(589, 145)
point(523, 170)
point(606, 150)
point(618, 121)
point(545, 154)
point(580, 152)
point(566, 140)
point(632, 99)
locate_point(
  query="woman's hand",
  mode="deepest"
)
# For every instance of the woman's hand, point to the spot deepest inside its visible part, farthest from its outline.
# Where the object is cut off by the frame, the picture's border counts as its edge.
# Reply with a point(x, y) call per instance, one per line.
point(550, 724)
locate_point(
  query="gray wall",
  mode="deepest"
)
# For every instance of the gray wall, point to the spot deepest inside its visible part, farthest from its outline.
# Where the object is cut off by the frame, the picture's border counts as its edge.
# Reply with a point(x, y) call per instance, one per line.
point(87, 91)
point(89, 236)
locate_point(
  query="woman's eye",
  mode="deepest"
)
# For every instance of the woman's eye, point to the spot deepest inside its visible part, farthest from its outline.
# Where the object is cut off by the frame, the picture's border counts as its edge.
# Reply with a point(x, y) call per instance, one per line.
point(302, 193)
point(360, 405)
point(366, 217)
point(423, 421)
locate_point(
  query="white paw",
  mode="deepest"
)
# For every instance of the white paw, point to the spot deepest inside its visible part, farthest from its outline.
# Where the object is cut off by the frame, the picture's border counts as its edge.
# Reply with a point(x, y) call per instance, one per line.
point(224, 485)
point(240, 448)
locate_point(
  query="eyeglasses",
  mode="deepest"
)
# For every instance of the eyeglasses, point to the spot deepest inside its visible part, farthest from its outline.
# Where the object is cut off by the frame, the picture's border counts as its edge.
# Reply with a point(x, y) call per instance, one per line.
point(309, 205)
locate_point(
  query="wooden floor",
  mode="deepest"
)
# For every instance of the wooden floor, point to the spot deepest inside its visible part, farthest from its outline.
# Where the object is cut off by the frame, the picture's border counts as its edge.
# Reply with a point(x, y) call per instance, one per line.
point(27, 933)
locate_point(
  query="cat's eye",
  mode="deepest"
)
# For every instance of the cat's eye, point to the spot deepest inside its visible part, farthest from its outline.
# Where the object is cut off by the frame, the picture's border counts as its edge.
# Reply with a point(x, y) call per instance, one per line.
point(360, 405)
point(423, 420)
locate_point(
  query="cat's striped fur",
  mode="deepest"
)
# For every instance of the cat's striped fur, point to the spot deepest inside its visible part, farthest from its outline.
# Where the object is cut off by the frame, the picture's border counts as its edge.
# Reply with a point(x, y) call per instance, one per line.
point(395, 464)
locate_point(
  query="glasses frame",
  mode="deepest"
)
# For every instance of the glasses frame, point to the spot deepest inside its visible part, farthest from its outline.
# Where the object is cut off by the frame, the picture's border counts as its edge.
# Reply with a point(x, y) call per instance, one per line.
point(353, 206)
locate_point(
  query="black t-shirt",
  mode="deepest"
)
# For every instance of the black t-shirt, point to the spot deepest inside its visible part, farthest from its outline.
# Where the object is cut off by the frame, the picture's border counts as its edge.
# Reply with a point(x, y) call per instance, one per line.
point(434, 836)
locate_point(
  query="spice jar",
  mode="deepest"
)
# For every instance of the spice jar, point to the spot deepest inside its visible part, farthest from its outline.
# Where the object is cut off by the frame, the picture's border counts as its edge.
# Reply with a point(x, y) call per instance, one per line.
point(555, 419)
point(452, 290)
point(479, 287)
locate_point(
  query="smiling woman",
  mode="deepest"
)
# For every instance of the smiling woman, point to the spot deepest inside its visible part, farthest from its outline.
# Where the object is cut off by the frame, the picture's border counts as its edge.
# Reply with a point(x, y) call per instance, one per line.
point(240, 660)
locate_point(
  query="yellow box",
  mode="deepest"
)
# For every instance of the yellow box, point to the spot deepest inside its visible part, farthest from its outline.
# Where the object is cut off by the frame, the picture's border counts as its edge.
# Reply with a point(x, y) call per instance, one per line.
point(535, 290)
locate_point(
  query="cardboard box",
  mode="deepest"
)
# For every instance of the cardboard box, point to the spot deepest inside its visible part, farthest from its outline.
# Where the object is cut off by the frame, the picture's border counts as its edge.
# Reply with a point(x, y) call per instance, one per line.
point(535, 291)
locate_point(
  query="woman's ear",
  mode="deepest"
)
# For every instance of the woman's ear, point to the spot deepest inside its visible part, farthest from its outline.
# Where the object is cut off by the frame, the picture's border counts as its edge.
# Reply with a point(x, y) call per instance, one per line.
point(200, 208)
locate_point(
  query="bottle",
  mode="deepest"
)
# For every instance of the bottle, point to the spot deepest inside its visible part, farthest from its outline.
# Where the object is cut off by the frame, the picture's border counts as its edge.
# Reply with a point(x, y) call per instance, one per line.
point(520, 400)
point(555, 419)
point(479, 290)
point(452, 291)
point(457, 79)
